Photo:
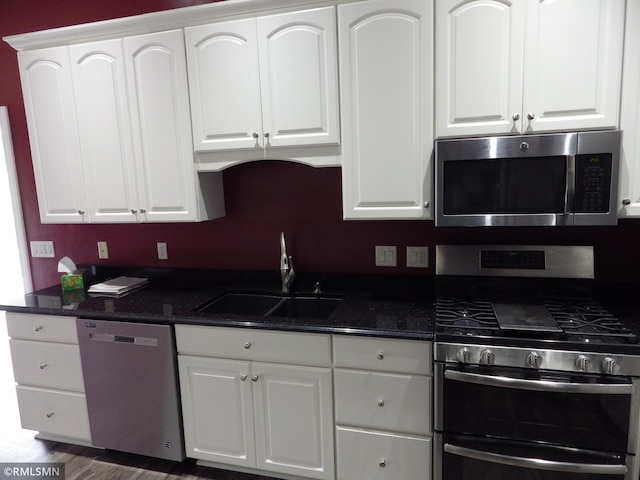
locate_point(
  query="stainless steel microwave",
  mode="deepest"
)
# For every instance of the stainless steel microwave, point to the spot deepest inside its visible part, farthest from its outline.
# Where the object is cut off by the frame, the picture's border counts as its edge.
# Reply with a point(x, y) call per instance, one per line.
point(528, 180)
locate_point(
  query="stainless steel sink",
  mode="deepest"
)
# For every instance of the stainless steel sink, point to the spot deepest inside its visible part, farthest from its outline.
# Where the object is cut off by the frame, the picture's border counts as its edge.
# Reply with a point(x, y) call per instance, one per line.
point(271, 305)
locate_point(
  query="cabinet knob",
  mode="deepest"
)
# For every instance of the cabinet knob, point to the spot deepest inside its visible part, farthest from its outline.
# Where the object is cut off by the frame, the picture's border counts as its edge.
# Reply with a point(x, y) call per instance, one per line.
point(80, 212)
point(142, 210)
point(49, 414)
point(37, 328)
point(247, 345)
point(243, 377)
point(516, 117)
point(133, 212)
point(255, 135)
point(531, 116)
point(382, 463)
point(43, 366)
point(626, 201)
point(254, 378)
point(381, 402)
point(267, 134)
point(426, 204)
point(380, 356)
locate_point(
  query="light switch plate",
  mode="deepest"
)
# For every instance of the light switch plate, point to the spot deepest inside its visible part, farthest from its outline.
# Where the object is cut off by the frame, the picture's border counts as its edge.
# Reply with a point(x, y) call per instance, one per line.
point(386, 256)
point(163, 254)
point(42, 249)
point(103, 250)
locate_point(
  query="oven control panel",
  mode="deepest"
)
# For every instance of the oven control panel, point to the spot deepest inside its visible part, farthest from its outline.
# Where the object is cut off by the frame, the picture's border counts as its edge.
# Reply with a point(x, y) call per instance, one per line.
point(546, 359)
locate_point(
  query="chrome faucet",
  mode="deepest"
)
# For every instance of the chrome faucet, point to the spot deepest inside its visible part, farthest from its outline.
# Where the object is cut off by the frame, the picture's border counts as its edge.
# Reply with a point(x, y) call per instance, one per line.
point(286, 266)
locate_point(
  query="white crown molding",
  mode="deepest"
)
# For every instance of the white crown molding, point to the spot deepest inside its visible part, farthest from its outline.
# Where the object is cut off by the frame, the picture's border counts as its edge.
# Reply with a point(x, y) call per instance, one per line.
point(152, 22)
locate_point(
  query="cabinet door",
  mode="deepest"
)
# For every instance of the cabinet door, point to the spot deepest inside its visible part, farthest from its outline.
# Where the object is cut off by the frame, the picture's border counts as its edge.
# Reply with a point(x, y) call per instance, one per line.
point(98, 71)
point(225, 86)
point(161, 126)
point(479, 55)
point(573, 64)
point(217, 410)
point(386, 90)
point(294, 420)
point(299, 79)
point(51, 118)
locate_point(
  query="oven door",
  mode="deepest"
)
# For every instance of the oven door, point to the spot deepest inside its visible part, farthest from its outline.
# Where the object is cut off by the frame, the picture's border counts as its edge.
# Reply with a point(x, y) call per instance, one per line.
point(464, 457)
point(583, 411)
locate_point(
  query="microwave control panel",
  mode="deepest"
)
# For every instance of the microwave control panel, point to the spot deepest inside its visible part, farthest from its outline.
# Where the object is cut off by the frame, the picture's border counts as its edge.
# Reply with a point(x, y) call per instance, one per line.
point(593, 183)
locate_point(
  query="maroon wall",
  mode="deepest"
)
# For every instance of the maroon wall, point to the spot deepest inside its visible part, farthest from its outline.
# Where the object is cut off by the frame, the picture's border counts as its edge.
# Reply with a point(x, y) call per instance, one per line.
point(262, 199)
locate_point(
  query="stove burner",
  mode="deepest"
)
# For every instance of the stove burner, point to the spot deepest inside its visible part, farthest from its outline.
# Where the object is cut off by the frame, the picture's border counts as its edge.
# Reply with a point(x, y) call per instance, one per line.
point(583, 320)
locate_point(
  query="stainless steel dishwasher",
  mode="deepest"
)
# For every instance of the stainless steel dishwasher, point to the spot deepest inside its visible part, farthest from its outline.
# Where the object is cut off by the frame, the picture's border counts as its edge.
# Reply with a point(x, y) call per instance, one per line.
point(131, 387)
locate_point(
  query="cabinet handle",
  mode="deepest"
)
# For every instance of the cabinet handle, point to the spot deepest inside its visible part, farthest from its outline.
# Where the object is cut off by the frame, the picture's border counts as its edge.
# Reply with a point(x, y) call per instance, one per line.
point(531, 116)
point(266, 135)
point(626, 201)
point(381, 402)
point(80, 212)
point(49, 414)
point(516, 117)
point(255, 135)
point(254, 378)
point(43, 366)
point(133, 212)
point(382, 463)
point(143, 211)
point(247, 345)
point(37, 328)
point(380, 356)
point(243, 377)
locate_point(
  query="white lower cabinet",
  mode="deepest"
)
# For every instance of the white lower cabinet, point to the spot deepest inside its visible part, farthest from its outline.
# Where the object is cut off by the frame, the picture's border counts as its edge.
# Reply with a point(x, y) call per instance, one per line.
point(383, 402)
point(248, 412)
point(48, 372)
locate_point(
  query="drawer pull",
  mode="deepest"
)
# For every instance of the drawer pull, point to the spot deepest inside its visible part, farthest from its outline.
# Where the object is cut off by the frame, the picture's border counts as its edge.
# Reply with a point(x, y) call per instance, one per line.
point(254, 378)
point(381, 402)
point(37, 328)
point(247, 345)
point(43, 366)
point(243, 377)
point(382, 463)
point(50, 414)
point(380, 356)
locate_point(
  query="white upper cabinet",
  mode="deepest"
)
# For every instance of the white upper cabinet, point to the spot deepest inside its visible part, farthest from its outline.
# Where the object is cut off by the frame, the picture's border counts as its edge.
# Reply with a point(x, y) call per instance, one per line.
point(265, 82)
point(55, 147)
point(526, 66)
point(386, 68)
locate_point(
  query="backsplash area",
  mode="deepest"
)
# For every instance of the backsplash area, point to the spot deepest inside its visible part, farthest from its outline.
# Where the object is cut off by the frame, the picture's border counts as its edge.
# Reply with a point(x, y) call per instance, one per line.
point(265, 198)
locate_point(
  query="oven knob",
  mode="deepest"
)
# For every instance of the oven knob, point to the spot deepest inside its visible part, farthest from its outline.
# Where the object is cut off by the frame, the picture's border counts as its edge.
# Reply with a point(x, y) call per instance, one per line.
point(463, 355)
point(487, 357)
point(582, 363)
point(534, 360)
point(609, 365)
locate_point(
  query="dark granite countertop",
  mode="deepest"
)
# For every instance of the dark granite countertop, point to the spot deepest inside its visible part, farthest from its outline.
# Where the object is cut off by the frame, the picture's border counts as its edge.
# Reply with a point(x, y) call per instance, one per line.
point(374, 305)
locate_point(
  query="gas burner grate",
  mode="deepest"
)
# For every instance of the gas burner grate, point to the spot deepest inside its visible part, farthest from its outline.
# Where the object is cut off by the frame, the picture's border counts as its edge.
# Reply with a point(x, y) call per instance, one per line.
point(586, 318)
point(452, 312)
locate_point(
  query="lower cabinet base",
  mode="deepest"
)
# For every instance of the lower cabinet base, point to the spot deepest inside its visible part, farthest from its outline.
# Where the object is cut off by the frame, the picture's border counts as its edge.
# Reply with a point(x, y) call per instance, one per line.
point(253, 471)
point(61, 439)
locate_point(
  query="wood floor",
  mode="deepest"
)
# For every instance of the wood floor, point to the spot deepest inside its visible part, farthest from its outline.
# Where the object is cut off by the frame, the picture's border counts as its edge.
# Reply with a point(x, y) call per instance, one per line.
point(82, 463)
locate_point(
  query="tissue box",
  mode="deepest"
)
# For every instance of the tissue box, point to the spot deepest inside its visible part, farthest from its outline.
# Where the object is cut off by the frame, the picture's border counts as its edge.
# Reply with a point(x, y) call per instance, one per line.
point(73, 281)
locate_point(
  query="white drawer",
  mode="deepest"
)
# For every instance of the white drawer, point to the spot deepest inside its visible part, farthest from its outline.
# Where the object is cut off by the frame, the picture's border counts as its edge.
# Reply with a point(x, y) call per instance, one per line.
point(250, 344)
point(383, 354)
point(57, 413)
point(384, 401)
point(48, 328)
point(382, 456)
point(44, 364)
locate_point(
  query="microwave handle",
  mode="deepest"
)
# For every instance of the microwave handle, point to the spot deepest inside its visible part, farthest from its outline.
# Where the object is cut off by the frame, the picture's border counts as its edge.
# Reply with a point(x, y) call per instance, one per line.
point(570, 188)
point(536, 463)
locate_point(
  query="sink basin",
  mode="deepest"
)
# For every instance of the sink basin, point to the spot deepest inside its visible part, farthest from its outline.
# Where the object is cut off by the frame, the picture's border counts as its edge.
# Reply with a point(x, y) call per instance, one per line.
point(271, 305)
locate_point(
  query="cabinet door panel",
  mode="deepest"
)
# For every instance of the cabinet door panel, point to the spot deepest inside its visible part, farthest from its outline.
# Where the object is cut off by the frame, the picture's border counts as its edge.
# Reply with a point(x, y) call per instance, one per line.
point(53, 135)
point(294, 419)
point(217, 410)
point(158, 92)
point(478, 66)
point(573, 64)
point(299, 77)
point(105, 131)
point(386, 92)
point(225, 85)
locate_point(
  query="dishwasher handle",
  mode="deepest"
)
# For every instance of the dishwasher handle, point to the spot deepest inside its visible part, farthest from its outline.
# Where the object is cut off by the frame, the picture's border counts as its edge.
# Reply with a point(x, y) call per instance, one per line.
point(113, 338)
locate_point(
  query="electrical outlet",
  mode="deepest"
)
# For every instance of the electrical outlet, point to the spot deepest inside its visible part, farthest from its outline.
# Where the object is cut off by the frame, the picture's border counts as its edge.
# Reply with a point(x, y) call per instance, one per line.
point(42, 249)
point(163, 254)
point(103, 250)
point(418, 257)
point(386, 256)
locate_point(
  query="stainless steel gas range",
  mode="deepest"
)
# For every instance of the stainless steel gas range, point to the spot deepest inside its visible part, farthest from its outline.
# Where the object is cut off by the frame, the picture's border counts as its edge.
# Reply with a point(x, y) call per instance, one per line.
point(534, 379)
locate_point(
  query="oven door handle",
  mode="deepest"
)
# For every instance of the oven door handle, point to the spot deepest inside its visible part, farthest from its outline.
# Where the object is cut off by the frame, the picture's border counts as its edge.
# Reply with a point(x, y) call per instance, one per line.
point(536, 463)
point(540, 385)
